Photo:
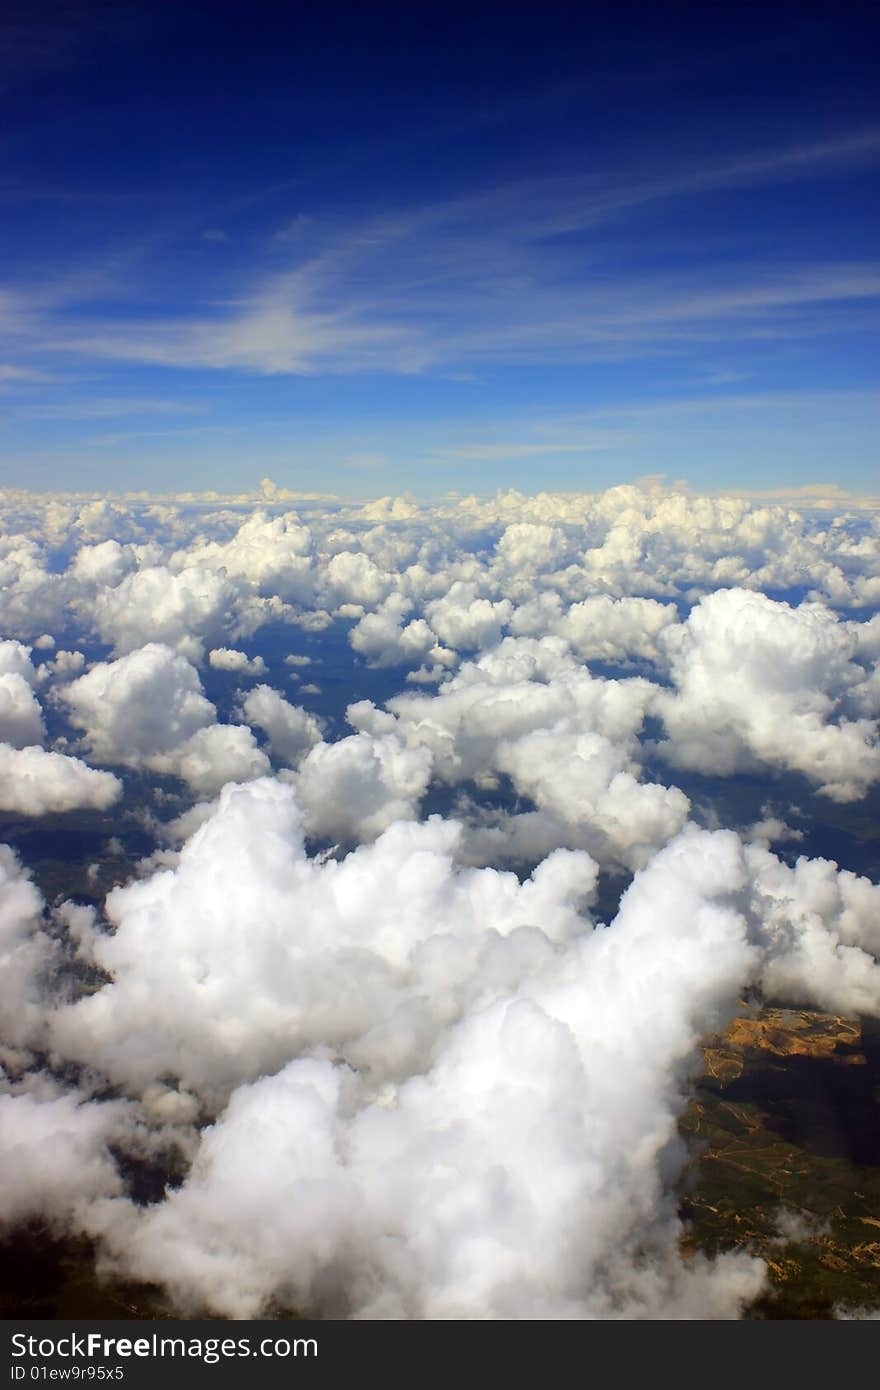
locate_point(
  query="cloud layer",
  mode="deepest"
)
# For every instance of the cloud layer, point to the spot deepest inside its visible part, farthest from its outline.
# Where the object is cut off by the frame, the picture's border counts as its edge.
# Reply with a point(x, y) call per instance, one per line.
point(361, 995)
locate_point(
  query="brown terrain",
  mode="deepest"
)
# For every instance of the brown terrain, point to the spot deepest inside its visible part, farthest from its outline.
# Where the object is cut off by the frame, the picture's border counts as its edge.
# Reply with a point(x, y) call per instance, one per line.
point(785, 1133)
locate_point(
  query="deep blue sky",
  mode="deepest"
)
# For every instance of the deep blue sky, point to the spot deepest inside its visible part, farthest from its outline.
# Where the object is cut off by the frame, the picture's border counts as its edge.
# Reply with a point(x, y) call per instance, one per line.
point(375, 247)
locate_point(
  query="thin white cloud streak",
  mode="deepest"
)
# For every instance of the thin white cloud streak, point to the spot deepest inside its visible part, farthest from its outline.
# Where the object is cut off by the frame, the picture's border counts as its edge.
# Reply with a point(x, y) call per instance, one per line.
point(11, 375)
point(110, 441)
point(504, 274)
point(492, 451)
point(701, 405)
point(104, 408)
point(639, 424)
point(473, 322)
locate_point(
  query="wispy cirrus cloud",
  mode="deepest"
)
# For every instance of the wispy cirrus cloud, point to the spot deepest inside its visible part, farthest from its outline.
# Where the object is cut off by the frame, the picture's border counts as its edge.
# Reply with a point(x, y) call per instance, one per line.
point(636, 428)
point(125, 436)
point(104, 408)
point(491, 318)
point(13, 375)
point(528, 271)
point(496, 450)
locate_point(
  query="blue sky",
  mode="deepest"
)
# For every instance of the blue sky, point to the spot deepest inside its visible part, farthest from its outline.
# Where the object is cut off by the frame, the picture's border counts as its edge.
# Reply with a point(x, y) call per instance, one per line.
point(373, 248)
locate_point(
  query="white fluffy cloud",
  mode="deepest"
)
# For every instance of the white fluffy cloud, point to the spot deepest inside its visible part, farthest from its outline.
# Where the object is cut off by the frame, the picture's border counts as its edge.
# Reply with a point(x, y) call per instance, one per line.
point(143, 705)
point(213, 756)
point(34, 783)
point(820, 931)
point(352, 577)
point(25, 953)
point(355, 788)
point(270, 554)
point(147, 710)
point(548, 1110)
point(248, 952)
point(291, 731)
point(103, 565)
point(229, 659)
point(429, 1077)
point(65, 1142)
point(183, 611)
point(758, 682)
point(436, 1089)
point(617, 629)
point(21, 719)
point(15, 660)
point(584, 783)
point(464, 620)
point(528, 548)
point(64, 666)
point(385, 640)
point(567, 741)
point(33, 597)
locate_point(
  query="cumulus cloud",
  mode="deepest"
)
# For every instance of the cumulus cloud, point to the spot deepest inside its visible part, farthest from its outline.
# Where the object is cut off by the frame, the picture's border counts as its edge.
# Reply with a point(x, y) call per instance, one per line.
point(528, 548)
point(567, 740)
point(820, 931)
point(427, 1086)
point(25, 953)
point(547, 1111)
point(291, 731)
point(760, 683)
point(153, 605)
point(229, 659)
point(15, 660)
point(661, 542)
point(139, 707)
point(63, 667)
point(148, 710)
point(272, 555)
point(352, 577)
point(213, 756)
point(34, 783)
point(426, 1078)
point(249, 951)
point(21, 719)
point(464, 620)
point(355, 788)
point(385, 640)
point(34, 598)
point(102, 565)
point(617, 630)
point(584, 783)
point(66, 1140)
